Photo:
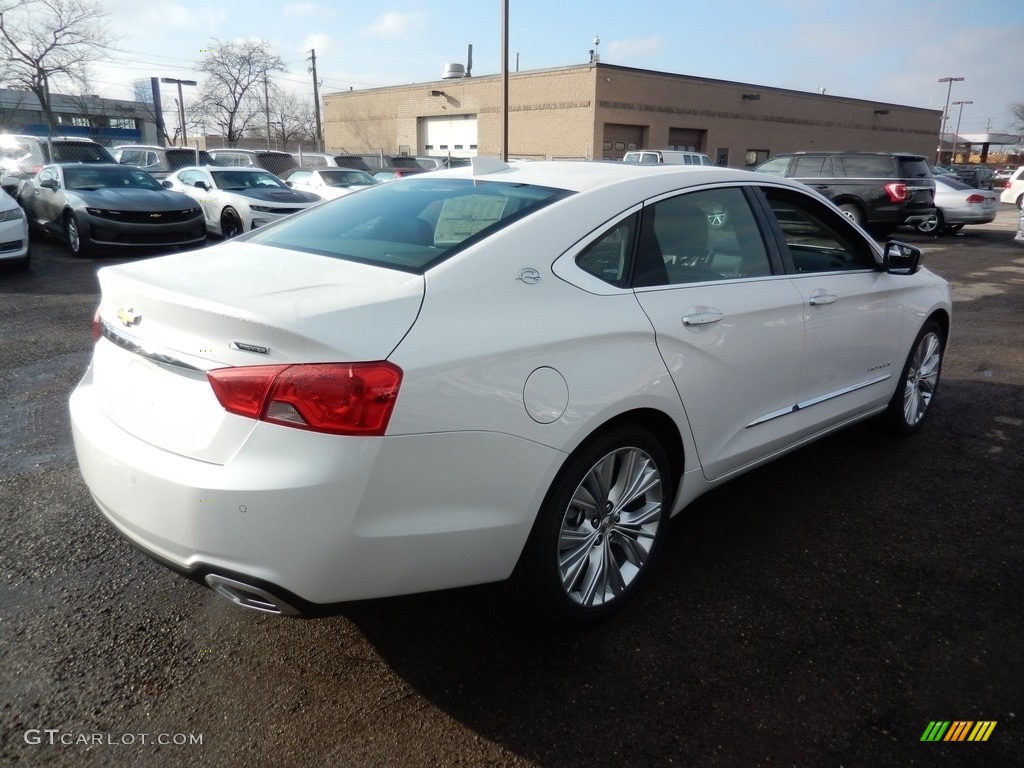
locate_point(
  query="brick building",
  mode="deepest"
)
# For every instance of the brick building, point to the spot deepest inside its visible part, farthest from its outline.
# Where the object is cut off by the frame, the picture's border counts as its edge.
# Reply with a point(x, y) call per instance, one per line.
point(597, 110)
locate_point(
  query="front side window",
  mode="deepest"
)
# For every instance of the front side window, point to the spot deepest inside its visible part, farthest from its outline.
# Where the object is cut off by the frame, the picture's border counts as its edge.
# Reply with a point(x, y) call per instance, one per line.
point(777, 166)
point(817, 238)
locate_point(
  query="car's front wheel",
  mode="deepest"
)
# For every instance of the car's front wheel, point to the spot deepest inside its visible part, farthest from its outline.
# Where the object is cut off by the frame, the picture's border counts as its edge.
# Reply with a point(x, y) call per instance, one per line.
point(77, 243)
point(230, 223)
point(599, 528)
point(918, 381)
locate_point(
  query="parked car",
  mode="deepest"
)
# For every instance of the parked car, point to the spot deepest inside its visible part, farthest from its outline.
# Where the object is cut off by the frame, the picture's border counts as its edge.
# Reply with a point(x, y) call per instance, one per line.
point(1019, 237)
point(278, 163)
point(1001, 176)
point(390, 174)
point(14, 242)
point(109, 206)
point(329, 183)
point(160, 161)
point(1013, 192)
point(500, 372)
point(23, 155)
point(237, 200)
point(371, 162)
point(957, 204)
point(666, 156)
point(977, 176)
point(432, 163)
point(879, 190)
point(330, 160)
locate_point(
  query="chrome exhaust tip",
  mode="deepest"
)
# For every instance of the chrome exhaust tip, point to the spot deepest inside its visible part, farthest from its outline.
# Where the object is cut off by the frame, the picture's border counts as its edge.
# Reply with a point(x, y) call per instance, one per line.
point(248, 596)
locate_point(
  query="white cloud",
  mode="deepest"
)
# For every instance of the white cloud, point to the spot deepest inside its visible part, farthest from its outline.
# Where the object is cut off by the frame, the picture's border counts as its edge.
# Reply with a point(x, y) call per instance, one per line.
point(394, 24)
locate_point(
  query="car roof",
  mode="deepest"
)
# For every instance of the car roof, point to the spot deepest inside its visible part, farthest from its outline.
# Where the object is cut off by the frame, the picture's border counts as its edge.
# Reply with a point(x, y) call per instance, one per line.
point(579, 176)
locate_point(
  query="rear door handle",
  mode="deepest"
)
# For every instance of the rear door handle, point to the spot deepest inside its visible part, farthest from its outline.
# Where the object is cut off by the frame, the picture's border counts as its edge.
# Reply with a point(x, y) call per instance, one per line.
point(702, 318)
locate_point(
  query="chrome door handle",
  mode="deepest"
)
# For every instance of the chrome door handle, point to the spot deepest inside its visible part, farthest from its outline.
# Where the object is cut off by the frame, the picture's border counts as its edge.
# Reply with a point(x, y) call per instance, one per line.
point(819, 299)
point(702, 318)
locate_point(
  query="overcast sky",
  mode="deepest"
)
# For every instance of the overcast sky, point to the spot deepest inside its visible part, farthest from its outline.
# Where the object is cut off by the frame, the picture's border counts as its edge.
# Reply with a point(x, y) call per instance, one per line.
point(885, 50)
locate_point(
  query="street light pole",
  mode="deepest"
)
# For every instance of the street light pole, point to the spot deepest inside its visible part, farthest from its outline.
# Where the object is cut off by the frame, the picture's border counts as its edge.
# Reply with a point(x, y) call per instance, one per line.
point(181, 103)
point(945, 113)
point(956, 134)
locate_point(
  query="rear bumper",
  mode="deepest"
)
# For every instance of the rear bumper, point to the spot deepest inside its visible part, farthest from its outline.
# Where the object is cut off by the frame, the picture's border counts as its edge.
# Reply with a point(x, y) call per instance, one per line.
point(317, 519)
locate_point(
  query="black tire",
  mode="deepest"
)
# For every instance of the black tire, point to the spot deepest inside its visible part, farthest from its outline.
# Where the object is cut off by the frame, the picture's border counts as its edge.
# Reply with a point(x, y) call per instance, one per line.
point(599, 530)
point(954, 227)
point(230, 223)
point(918, 382)
point(76, 241)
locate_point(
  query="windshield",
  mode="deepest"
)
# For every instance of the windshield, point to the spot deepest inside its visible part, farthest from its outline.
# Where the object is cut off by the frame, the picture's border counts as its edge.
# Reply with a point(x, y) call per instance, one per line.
point(245, 179)
point(114, 177)
point(409, 225)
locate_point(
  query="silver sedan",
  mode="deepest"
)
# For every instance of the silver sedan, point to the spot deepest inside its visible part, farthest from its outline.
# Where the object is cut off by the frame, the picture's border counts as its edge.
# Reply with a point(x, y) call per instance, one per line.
point(956, 204)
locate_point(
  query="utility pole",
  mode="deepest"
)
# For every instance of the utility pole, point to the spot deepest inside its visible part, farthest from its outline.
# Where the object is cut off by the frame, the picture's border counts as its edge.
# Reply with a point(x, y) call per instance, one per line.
point(316, 101)
point(266, 103)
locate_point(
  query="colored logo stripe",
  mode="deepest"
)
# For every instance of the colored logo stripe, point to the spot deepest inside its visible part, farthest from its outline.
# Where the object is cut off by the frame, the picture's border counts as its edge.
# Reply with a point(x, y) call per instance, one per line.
point(958, 730)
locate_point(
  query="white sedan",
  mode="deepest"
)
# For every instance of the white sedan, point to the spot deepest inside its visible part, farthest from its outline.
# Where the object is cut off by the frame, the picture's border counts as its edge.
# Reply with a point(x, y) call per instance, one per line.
point(237, 200)
point(329, 183)
point(489, 373)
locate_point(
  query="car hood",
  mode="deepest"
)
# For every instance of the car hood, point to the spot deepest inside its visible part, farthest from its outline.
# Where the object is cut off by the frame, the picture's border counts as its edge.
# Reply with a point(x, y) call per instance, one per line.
point(245, 304)
point(271, 195)
point(142, 200)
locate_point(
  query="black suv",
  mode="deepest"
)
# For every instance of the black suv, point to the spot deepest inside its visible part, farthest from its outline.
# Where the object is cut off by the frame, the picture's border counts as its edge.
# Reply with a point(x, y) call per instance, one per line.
point(880, 190)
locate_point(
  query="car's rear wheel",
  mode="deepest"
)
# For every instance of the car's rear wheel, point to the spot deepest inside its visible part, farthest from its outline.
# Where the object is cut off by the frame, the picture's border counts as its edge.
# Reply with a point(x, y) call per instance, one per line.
point(599, 529)
point(853, 211)
point(77, 243)
point(1020, 202)
point(230, 223)
point(934, 225)
point(919, 381)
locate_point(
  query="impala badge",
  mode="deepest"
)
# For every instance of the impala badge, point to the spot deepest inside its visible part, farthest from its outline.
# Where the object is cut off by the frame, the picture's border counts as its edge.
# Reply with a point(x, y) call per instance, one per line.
point(128, 316)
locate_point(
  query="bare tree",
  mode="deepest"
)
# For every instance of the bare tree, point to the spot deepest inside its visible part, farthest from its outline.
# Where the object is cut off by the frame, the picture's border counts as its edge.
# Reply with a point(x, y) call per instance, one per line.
point(1016, 111)
point(292, 120)
point(51, 40)
point(233, 96)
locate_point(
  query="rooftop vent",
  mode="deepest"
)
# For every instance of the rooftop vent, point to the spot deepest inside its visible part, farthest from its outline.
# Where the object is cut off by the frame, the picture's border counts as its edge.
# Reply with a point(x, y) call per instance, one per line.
point(453, 71)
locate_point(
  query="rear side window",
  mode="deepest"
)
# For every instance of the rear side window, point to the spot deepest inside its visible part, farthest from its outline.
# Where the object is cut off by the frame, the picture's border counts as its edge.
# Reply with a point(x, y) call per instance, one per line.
point(868, 166)
point(914, 168)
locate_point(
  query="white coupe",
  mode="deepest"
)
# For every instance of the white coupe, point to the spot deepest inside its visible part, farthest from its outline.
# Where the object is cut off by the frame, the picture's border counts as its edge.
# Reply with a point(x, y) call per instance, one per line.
point(490, 373)
point(237, 200)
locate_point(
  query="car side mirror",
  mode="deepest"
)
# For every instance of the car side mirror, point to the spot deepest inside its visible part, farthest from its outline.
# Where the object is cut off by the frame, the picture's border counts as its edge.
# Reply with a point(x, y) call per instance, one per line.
point(202, 185)
point(49, 184)
point(166, 184)
point(290, 184)
point(901, 259)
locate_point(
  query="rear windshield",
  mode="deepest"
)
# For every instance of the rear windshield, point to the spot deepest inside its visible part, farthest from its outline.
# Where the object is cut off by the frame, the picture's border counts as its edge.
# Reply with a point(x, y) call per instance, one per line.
point(80, 152)
point(182, 158)
point(276, 163)
point(409, 224)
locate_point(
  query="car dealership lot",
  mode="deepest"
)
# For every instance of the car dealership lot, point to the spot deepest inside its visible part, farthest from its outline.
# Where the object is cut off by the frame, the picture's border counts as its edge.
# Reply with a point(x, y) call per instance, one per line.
point(821, 610)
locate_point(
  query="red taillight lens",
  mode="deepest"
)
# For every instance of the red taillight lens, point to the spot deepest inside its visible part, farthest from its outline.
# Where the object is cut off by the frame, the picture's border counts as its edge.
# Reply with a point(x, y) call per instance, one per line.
point(975, 199)
point(897, 191)
point(337, 398)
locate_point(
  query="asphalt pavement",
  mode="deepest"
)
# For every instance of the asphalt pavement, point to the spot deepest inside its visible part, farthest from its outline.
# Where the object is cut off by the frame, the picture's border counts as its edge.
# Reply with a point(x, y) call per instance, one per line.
point(824, 610)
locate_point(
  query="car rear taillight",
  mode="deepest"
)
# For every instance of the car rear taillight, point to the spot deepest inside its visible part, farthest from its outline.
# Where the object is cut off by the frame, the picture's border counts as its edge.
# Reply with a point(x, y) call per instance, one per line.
point(897, 191)
point(337, 398)
point(975, 199)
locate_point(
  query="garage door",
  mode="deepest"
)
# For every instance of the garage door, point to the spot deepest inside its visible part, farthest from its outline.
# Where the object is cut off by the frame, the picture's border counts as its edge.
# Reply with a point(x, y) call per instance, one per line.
point(443, 136)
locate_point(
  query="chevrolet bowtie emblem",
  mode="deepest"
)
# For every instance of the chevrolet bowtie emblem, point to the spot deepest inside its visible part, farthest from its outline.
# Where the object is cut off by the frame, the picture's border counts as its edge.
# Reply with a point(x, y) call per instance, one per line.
point(129, 316)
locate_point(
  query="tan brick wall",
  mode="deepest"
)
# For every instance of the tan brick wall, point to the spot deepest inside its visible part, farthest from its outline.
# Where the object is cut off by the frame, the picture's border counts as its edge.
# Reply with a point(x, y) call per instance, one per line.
point(561, 113)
